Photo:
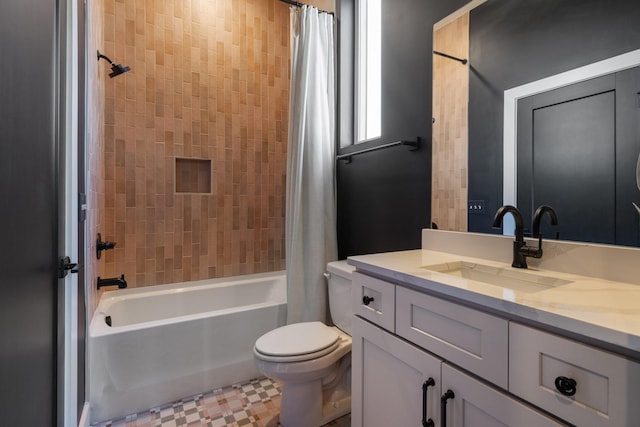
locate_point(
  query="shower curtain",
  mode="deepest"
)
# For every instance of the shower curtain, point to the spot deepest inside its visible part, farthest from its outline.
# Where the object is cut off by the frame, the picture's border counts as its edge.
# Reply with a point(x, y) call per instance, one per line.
point(310, 216)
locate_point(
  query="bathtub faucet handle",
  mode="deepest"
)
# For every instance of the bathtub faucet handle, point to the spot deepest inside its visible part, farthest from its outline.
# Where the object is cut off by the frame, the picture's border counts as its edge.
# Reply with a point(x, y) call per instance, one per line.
point(103, 246)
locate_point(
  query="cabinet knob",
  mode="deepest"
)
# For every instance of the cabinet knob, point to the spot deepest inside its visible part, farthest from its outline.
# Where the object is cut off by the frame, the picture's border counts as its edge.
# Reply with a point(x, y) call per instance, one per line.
point(366, 300)
point(566, 386)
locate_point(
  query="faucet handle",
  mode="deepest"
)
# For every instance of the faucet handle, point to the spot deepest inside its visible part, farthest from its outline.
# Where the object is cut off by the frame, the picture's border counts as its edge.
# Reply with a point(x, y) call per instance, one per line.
point(103, 246)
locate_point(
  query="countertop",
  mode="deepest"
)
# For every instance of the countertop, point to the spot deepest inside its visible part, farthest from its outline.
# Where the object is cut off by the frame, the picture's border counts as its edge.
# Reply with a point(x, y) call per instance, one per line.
point(594, 310)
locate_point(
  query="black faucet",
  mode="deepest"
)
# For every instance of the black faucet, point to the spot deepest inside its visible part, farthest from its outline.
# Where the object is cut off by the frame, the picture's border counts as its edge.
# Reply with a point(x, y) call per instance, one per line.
point(520, 249)
point(113, 281)
point(538, 216)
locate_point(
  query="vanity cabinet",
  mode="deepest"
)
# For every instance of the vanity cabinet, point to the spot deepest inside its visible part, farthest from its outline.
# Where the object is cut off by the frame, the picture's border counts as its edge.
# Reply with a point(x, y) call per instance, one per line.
point(398, 384)
point(579, 383)
point(470, 338)
point(396, 381)
point(475, 404)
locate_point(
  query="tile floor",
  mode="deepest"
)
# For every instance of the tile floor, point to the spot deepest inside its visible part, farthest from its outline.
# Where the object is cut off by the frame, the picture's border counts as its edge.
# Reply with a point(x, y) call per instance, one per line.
point(255, 404)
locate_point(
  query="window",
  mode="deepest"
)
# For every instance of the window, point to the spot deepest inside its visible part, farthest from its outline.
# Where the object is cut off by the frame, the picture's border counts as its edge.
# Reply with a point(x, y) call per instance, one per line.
point(368, 70)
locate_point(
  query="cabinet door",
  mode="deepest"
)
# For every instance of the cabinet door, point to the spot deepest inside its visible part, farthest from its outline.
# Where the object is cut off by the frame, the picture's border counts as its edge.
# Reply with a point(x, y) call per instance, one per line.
point(477, 405)
point(388, 375)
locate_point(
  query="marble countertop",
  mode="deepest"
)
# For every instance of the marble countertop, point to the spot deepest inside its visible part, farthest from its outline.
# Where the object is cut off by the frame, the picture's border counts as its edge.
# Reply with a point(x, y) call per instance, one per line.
point(601, 311)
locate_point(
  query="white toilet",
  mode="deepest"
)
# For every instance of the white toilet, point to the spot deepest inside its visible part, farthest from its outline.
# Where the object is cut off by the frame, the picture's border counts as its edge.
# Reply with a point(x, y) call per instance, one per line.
point(313, 360)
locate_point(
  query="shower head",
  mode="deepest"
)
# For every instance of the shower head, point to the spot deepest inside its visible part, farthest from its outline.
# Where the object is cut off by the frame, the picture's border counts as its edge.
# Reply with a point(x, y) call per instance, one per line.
point(116, 69)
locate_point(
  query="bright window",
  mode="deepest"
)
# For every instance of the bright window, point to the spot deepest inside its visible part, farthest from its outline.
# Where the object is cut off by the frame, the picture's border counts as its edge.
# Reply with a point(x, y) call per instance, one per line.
point(368, 81)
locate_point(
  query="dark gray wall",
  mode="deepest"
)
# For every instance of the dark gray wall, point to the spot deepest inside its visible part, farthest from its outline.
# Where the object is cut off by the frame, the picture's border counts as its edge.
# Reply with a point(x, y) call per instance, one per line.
point(384, 197)
point(28, 176)
point(513, 42)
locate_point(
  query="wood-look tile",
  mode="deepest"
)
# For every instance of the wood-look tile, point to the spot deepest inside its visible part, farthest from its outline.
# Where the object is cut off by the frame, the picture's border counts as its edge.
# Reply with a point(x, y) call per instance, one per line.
point(207, 81)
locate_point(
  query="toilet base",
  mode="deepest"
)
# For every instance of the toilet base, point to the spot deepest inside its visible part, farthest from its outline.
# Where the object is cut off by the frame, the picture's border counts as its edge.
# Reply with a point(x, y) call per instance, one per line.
point(306, 404)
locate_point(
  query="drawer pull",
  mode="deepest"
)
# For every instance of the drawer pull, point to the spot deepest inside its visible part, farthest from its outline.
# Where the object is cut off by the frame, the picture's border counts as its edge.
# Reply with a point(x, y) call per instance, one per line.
point(426, 422)
point(443, 406)
point(366, 300)
point(566, 386)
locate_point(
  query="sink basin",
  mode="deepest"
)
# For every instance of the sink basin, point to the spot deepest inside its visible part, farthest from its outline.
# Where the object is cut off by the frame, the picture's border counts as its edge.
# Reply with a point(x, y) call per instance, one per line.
point(504, 277)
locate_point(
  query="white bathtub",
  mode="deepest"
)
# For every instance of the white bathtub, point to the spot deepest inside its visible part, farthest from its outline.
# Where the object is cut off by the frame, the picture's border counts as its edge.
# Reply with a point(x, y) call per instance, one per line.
point(174, 341)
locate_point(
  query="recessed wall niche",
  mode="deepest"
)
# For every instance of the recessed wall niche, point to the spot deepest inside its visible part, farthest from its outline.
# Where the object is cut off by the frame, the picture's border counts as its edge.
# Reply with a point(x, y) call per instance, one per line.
point(193, 175)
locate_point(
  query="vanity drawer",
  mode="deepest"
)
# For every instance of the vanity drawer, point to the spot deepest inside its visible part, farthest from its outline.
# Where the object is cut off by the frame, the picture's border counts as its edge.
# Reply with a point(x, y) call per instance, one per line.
point(607, 386)
point(374, 300)
point(473, 340)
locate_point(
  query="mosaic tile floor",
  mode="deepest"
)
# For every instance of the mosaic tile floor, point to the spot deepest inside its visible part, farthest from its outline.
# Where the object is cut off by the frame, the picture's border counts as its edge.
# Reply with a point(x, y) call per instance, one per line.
point(255, 404)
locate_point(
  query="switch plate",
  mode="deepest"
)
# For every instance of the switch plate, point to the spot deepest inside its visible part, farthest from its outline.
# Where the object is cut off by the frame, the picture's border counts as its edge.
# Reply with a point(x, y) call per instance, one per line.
point(475, 207)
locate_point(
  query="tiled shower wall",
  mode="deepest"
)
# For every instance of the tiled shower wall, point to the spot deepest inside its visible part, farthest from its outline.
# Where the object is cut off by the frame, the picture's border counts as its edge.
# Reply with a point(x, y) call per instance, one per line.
point(209, 81)
point(450, 128)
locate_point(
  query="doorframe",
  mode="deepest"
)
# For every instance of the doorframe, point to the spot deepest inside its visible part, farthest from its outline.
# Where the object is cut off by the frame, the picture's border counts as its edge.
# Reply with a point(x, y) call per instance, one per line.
point(511, 97)
point(68, 134)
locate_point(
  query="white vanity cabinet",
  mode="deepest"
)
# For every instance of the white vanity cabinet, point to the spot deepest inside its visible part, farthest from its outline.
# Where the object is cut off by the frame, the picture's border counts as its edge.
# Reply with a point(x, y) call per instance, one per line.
point(579, 383)
point(394, 382)
point(471, 403)
point(469, 338)
point(391, 376)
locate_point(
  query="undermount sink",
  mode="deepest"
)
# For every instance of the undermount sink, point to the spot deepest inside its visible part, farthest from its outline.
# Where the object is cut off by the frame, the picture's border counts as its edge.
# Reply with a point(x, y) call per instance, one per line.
point(505, 277)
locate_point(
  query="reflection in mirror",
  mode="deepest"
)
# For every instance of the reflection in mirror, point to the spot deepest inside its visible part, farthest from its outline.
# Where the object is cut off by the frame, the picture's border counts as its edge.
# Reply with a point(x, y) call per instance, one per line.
point(513, 43)
point(449, 131)
point(574, 135)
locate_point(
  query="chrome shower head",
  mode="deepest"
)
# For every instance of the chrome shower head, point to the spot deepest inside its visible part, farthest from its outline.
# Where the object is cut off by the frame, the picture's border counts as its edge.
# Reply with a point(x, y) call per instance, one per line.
point(116, 69)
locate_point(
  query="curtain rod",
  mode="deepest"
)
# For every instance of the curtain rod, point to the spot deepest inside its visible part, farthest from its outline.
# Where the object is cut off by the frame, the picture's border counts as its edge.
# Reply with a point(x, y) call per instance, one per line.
point(463, 61)
point(298, 4)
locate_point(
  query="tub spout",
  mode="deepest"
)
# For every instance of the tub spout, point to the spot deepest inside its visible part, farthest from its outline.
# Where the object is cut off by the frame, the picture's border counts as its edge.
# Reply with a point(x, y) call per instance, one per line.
point(113, 281)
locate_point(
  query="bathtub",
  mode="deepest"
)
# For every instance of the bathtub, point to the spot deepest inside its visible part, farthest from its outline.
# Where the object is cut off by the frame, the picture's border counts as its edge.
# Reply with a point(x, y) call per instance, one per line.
point(172, 341)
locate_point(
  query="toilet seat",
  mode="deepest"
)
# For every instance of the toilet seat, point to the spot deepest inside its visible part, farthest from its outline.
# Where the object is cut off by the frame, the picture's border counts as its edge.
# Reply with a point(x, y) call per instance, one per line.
point(297, 342)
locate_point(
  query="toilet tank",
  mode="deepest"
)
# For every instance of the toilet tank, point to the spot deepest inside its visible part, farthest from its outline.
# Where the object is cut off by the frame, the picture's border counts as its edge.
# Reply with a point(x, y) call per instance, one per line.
point(339, 278)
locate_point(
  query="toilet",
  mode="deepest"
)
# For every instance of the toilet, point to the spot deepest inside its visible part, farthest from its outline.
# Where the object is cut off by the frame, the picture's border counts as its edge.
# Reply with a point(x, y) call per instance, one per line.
point(313, 360)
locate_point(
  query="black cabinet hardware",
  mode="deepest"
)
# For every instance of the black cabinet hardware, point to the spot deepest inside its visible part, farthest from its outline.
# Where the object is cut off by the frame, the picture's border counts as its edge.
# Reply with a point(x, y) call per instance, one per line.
point(566, 386)
point(443, 406)
point(426, 422)
point(367, 300)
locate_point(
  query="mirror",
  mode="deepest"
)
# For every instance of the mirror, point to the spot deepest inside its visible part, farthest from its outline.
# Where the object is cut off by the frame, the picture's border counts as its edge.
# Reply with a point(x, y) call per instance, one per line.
point(510, 44)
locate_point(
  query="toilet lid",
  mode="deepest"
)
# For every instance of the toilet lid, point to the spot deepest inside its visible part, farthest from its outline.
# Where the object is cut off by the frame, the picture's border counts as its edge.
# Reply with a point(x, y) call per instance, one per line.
point(297, 339)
